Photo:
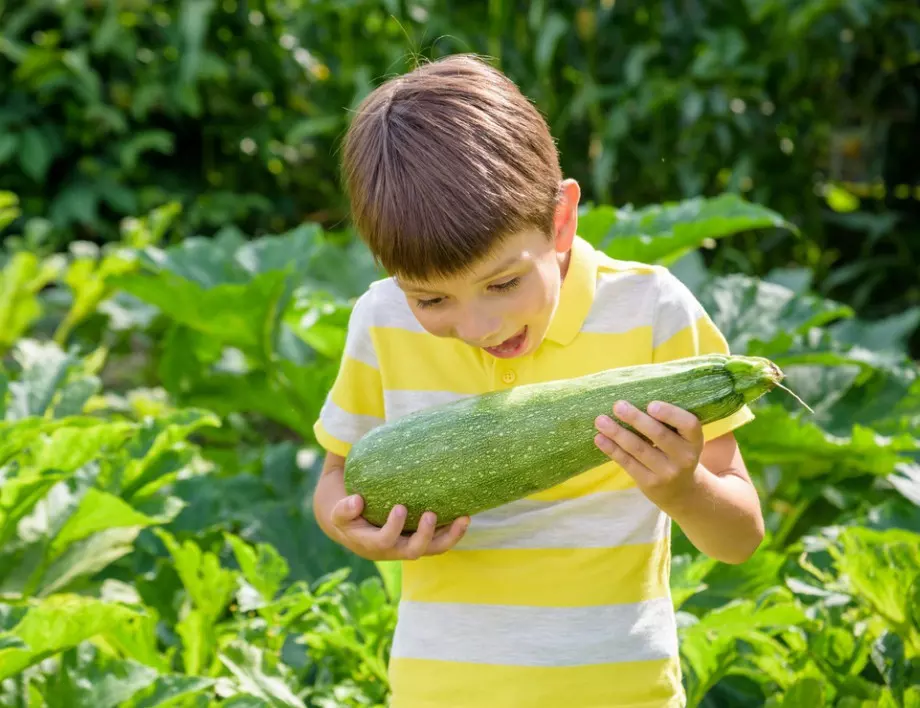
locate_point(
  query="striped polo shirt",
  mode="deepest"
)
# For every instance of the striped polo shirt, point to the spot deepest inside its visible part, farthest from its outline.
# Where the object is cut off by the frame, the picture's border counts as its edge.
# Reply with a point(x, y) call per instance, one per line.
point(561, 598)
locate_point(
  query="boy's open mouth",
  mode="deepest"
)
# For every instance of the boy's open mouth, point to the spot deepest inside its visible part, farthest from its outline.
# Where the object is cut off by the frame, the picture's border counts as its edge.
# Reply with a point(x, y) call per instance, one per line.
point(511, 346)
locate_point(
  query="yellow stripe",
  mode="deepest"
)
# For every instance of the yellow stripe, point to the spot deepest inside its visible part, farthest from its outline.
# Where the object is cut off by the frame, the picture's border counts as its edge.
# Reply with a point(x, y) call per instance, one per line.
point(421, 683)
point(564, 577)
point(727, 425)
point(417, 361)
point(358, 388)
point(701, 337)
point(609, 477)
point(591, 352)
point(328, 442)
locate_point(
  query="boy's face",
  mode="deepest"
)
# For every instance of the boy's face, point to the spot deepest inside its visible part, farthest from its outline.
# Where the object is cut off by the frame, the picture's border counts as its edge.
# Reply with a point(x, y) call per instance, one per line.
point(505, 304)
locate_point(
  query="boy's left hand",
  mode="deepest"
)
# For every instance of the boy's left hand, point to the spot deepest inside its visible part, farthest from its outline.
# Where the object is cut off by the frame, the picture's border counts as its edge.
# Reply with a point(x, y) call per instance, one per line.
point(664, 469)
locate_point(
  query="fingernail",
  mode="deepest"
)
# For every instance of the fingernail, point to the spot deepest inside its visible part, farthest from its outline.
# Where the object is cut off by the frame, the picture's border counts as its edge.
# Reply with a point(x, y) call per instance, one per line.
point(400, 510)
point(654, 407)
point(620, 408)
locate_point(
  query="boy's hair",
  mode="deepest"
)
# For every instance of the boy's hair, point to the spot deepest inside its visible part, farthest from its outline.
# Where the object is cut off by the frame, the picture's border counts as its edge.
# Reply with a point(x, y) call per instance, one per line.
point(443, 162)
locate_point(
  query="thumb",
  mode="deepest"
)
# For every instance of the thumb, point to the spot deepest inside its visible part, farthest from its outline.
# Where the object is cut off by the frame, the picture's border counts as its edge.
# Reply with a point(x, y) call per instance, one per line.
point(347, 509)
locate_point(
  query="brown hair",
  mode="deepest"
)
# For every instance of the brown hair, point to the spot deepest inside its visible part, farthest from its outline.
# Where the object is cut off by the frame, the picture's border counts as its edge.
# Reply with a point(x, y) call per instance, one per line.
point(443, 162)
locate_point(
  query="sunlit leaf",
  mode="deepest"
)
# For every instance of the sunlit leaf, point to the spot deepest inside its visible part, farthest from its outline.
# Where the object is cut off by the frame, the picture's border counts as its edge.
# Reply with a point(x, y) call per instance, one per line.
point(662, 233)
point(56, 623)
point(775, 437)
point(881, 568)
point(262, 566)
point(256, 676)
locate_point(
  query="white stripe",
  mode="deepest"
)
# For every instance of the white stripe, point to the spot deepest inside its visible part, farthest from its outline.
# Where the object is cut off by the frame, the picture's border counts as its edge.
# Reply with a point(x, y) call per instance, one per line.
point(622, 301)
point(677, 308)
point(400, 402)
point(600, 520)
point(536, 636)
point(391, 309)
point(358, 343)
point(348, 427)
point(359, 346)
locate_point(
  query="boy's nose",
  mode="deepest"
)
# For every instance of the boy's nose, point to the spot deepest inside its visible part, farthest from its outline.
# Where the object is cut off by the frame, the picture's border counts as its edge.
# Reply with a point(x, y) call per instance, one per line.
point(479, 330)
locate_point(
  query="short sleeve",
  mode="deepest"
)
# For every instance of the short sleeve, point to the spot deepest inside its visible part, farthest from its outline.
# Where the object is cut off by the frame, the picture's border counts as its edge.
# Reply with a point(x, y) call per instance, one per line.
point(354, 404)
point(682, 328)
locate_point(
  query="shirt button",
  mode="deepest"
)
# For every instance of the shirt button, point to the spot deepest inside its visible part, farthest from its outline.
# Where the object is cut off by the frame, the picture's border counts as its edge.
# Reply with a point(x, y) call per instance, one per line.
point(508, 377)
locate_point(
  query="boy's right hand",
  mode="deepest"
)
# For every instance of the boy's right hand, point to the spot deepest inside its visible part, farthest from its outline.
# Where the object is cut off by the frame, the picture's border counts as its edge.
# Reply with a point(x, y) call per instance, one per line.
point(387, 542)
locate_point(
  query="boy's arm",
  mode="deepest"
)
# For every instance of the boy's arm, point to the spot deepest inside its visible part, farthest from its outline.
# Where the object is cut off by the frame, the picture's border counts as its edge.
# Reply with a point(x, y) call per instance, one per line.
point(339, 517)
point(721, 515)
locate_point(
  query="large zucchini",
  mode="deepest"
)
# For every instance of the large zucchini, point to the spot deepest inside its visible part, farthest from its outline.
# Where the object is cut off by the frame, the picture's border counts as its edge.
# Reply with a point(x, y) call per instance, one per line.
point(483, 451)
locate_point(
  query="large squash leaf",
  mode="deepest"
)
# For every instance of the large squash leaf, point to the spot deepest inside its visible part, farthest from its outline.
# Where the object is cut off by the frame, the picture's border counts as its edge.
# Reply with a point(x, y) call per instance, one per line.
point(56, 623)
point(662, 233)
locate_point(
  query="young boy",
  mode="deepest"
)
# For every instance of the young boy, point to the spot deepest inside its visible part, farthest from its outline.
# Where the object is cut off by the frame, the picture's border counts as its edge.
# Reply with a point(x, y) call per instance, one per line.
point(562, 598)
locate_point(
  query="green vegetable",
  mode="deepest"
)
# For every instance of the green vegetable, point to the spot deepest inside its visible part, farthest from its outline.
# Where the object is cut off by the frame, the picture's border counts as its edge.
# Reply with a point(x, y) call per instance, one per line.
point(484, 451)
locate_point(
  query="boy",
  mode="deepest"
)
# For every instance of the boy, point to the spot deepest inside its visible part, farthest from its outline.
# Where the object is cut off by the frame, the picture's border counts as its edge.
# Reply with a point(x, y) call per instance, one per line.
point(561, 598)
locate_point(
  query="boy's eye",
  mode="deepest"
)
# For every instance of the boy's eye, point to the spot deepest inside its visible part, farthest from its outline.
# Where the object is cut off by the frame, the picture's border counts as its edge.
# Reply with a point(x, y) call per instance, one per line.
point(428, 303)
point(508, 284)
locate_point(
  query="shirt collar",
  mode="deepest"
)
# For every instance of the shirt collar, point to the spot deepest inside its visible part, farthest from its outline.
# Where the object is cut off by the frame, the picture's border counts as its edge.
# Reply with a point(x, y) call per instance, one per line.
point(576, 295)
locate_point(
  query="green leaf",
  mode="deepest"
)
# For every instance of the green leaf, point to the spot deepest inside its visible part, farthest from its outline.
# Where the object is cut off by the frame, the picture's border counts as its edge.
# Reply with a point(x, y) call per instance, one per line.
point(19, 495)
point(198, 640)
point(57, 623)
point(101, 682)
point(9, 142)
point(35, 153)
point(86, 557)
point(9, 641)
point(241, 315)
point(708, 646)
point(688, 574)
point(68, 449)
point(662, 233)
point(166, 690)
point(156, 451)
point(90, 281)
point(256, 676)
point(391, 574)
point(23, 276)
point(880, 567)
point(775, 437)
point(906, 479)
point(44, 369)
point(805, 693)
point(262, 567)
point(755, 576)
point(889, 333)
point(97, 512)
point(209, 586)
point(748, 310)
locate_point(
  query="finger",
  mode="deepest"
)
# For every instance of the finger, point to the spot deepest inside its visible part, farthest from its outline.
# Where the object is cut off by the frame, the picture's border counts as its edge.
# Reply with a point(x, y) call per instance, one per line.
point(639, 472)
point(416, 545)
point(687, 425)
point(448, 537)
point(347, 509)
point(388, 535)
point(632, 443)
point(662, 436)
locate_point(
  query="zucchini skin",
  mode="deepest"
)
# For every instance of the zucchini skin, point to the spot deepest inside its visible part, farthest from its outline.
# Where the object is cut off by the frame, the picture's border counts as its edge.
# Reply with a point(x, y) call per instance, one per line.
point(484, 451)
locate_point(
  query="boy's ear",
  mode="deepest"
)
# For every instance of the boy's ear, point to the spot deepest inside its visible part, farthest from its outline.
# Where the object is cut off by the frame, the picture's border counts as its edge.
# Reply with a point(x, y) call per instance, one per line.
point(565, 221)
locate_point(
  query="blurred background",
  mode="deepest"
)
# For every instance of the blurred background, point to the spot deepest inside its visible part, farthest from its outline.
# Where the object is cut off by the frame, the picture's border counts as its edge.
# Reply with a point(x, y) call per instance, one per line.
point(178, 268)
